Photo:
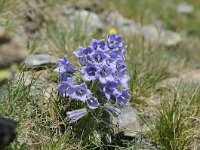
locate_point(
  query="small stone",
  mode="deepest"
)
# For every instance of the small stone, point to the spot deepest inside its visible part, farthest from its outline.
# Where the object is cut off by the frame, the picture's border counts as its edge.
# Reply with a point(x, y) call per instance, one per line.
point(90, 21)
point(114, 18)
point(127, 122)
point(124, 25)
point(170, 38)
point(184, 8)
point(151, 32)
point(156, 34)
point(39, 60)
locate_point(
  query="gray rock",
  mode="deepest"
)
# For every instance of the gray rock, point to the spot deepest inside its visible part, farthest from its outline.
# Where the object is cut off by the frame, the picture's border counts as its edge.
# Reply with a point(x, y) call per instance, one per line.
point(116, 19)
point(127, 122)
point(124, 25)
point(157, 34)
point(169, 38)
point(40, 60)
point(184, 8)
point(89, 21)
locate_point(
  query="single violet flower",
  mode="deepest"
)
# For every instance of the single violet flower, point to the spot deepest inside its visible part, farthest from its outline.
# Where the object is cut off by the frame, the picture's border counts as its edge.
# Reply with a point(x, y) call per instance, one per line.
point(81, 92)
point(83, 60)
point(89, 72)
point(88, 50)
point(114, 41)
point(115, 54)
point(109, 88)
point(114, 110)
point(64, 77)
point(92, 102)
point(64, 66)
point(122, 97)
point(75, 115)
point(101, 44)
point(66, 88)
point(105, 74)
point(78, 53)
point(84, 55)
point(99, 56)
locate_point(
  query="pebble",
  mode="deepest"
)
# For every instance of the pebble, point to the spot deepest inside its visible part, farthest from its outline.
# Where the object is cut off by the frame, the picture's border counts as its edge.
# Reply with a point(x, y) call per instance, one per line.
point(124, 25)
point(39, 60)
point(90, 21)
point(158, 35)
point(127, 122)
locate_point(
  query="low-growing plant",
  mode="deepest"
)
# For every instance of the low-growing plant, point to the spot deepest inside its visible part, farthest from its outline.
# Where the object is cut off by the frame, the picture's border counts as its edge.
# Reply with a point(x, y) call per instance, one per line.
point(100, 85)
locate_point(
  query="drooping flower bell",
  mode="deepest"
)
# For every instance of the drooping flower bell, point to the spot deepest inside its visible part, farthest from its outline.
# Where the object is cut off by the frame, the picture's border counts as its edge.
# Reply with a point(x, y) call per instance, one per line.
point(75, 115)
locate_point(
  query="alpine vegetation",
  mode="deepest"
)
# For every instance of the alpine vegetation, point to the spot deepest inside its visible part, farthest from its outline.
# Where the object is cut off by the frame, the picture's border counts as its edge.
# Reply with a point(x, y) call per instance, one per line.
point(101, 83)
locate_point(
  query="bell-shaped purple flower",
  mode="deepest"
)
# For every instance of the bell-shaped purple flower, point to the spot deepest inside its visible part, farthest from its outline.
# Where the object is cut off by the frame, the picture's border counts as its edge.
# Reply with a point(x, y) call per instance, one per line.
point(75, 115)
point(115, 54)
point(63, 77)
point(83, 60)
point(81, 92)
point(88, 50)
point(120, 69)
point(66, 88)
point(101, 44)
point(84, 55)
point(114, 110)
point(122, 97)
point(109, 88)
point(64, 66)
point(89, 72)
point(120, 65)
point(114, 41)
point(79, 52)
point(92, 102)
point(105, 74)
point(99, 56)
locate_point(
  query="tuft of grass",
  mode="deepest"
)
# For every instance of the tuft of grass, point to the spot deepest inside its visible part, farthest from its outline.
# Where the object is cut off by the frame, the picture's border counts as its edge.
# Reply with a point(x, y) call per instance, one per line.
point(147, 66)
point(36, 124)
point(177, 124)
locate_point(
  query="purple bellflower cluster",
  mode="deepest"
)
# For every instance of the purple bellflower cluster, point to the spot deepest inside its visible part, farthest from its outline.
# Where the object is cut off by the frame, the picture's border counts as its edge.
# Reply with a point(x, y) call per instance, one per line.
point(102, 62)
